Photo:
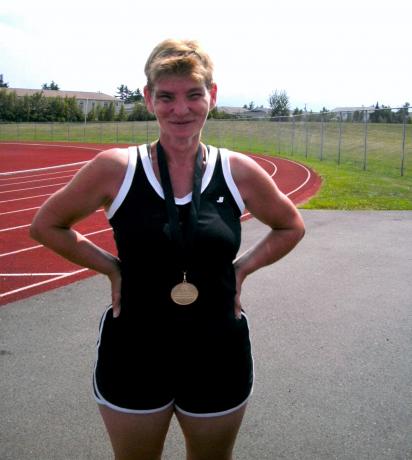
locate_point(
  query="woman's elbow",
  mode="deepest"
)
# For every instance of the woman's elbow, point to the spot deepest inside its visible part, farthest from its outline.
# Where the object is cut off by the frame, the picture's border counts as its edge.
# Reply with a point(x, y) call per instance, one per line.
point(40, 229)
point(301, 230)
point(36, 230)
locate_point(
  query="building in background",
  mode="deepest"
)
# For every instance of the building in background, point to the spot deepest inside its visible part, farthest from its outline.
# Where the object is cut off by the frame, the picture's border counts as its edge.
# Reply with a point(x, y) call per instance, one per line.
point(85, 100)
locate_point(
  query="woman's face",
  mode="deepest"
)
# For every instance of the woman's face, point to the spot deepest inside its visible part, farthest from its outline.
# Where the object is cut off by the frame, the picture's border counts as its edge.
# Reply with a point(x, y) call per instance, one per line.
point(181, 105)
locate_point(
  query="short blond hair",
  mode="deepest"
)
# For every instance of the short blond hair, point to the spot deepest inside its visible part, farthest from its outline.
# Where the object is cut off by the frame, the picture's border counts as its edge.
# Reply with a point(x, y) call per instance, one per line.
point(179, 57)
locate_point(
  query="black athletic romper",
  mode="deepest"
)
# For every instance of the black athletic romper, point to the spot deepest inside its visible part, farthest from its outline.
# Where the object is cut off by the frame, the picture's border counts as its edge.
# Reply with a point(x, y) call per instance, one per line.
point(156, 353)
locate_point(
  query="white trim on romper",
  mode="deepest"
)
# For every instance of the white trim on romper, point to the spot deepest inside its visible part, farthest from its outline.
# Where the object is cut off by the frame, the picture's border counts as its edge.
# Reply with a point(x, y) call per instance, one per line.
point(213, 414)
point(228, 411)
point(151, 177)
point(99, 397)
point(225, 156)
point(102, 401)
point(127, 181)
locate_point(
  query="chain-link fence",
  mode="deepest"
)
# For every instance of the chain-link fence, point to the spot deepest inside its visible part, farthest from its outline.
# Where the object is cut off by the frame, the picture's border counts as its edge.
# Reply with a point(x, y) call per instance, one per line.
point(379, 140)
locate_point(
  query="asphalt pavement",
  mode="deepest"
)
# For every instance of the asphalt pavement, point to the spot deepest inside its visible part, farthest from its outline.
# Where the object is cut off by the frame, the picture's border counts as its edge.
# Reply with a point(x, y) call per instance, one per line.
point(331, 329)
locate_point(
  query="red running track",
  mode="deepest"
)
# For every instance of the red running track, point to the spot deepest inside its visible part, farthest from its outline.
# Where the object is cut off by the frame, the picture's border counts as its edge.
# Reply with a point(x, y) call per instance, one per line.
point(31, 172)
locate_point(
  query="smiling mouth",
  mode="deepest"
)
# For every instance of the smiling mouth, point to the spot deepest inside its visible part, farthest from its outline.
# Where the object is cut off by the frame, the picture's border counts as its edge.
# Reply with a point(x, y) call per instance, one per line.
point(186, 122)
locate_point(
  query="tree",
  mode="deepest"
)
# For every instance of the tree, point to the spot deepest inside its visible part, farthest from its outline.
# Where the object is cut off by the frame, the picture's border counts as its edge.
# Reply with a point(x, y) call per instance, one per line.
point(108, 112)
point(140, 113)
point(216, 114)
point(54, 86)
point(136, 96)
point(121, 116)
point(3, 84)
point(279, 103)
point(123, 92)
point(128, 96)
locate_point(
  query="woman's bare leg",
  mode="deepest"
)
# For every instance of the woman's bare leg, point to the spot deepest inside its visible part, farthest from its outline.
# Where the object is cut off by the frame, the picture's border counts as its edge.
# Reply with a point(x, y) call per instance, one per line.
point(211, 437)
point(135, 436)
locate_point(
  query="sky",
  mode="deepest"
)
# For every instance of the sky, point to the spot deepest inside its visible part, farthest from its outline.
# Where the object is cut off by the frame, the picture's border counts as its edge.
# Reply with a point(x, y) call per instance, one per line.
point(323, 53)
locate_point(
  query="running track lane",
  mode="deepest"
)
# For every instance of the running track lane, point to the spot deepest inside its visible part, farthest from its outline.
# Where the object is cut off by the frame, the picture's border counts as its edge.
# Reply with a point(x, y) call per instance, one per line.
point(27, 268)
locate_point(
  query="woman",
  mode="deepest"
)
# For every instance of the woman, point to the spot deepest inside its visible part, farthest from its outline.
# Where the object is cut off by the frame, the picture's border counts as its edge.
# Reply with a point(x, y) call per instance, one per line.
point(176, 339)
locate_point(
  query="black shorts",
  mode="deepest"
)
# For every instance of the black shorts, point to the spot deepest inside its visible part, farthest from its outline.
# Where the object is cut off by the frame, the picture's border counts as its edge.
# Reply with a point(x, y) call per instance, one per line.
point(201, 366)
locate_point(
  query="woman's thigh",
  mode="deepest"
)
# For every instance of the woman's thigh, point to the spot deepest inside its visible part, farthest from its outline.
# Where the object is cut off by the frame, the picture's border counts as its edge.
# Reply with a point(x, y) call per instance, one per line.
point(137, 436)
point(211, 437)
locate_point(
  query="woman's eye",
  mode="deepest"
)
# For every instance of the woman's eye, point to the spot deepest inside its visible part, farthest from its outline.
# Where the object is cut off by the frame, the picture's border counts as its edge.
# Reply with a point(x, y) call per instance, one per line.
point(164, 98)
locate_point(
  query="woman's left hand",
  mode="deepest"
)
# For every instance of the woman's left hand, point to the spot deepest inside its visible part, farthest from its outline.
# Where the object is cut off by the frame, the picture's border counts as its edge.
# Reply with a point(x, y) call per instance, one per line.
point(239, 281)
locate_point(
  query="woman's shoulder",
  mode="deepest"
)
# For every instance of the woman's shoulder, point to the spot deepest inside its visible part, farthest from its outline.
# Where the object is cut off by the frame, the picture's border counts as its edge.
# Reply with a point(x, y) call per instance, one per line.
point(240, 163)
point(112, 158)
point(109, 167)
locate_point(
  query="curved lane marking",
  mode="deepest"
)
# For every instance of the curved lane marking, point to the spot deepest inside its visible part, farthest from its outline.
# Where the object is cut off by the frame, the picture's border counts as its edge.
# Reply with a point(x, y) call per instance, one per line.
point(65, 275)
point(243, 216)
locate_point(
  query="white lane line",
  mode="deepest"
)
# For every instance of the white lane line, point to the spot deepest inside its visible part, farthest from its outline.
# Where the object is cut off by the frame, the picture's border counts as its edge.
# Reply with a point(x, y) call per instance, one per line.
point(14, 228)
point(31, 248)
point(308, 172)
point(19, 210)
point(7, 180)
point(22, 171)
point(7, 229)
point(293, 191)
point(50, 145)
point(32, 188)
point(275, 168)
point(26, 198)
point(35, 180)
point(9, 173)
point(33, 274)
point(25, 288)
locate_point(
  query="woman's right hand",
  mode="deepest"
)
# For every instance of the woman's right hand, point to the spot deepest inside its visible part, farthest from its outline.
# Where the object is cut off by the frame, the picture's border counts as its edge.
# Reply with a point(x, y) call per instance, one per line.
point(116, 285)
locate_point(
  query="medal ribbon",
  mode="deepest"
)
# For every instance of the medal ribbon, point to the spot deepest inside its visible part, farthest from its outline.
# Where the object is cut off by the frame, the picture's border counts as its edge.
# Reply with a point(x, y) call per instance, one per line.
point(183, 242)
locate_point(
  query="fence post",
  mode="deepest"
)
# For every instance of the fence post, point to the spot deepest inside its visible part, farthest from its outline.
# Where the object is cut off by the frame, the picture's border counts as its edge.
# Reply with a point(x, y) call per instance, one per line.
point(306, 136)
point(293, 134)
point(365, 139)
point(405, 112)
point(340, 136)
point(321, 136)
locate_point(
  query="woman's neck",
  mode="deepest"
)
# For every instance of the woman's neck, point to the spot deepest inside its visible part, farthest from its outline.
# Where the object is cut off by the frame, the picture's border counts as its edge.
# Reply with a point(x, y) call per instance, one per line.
point(180, 151)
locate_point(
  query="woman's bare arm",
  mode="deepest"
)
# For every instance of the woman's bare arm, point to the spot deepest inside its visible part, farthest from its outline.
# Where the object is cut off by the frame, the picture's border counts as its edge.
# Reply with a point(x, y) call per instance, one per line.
point(93, 187)
point(264, 201)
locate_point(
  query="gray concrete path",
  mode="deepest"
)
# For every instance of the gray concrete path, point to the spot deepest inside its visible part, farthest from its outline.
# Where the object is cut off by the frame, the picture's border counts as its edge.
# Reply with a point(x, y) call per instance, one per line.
point(332, 336)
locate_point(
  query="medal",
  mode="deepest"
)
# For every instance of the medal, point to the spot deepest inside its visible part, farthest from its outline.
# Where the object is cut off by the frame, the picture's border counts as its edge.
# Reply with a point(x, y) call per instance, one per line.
point(184, 293)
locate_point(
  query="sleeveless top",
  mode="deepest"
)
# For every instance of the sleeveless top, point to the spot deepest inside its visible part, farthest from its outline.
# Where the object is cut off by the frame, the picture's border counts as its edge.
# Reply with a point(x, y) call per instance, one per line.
point(148, 261)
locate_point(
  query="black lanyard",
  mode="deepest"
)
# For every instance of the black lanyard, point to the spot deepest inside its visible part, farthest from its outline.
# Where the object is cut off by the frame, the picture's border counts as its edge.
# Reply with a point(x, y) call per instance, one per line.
point(184, 242)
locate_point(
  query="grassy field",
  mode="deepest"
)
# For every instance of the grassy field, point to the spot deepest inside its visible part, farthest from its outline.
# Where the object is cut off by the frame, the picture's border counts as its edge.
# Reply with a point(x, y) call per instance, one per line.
point(362, 166)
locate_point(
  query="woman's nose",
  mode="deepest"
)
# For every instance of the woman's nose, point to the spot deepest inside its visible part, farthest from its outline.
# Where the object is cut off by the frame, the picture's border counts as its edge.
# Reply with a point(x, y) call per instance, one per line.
point(181, 107)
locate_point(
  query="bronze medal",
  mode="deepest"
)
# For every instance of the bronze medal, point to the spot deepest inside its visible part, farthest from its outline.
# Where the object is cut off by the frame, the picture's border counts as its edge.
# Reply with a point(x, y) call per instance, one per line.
point(184, 293)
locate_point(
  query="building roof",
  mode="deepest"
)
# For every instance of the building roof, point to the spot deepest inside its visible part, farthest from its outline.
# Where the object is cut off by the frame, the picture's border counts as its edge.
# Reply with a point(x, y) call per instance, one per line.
point(60, 93)
point(232, 110)
point(354, 109)
point(244, 112)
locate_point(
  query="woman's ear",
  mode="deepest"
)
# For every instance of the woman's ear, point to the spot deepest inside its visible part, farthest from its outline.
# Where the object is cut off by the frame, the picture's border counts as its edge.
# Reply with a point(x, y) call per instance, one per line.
point(148, 99)
point(213, 96)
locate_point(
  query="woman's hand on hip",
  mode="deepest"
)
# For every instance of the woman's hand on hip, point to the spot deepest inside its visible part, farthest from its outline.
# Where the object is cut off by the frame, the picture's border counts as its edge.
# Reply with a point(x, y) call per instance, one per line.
point(116, 285)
